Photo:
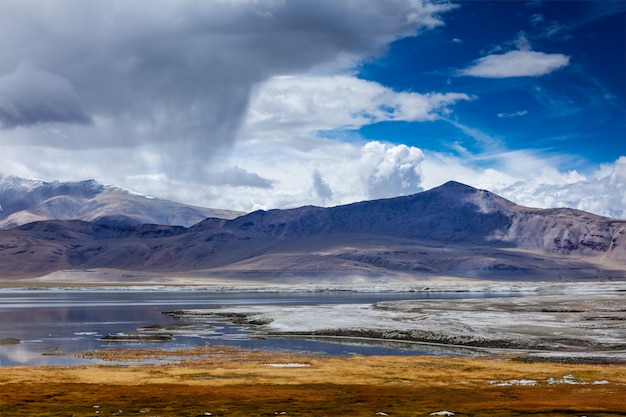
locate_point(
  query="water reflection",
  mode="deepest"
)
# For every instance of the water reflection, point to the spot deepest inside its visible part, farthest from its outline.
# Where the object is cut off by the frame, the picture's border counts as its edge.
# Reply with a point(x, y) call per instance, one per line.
point(54, 324)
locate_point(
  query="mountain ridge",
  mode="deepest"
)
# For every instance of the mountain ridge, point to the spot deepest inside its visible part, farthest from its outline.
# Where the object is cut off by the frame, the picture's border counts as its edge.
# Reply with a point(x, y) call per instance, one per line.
point(398, 213)
point(24, 201)
point(453, 230)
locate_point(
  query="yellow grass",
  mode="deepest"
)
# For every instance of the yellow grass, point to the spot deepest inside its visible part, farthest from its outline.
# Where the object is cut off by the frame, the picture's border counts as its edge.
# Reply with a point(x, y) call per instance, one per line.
point(234, 382)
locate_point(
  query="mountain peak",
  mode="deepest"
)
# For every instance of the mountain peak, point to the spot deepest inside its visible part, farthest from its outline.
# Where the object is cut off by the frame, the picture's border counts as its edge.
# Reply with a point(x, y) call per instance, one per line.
point(454, 188)
point(457, 185)
point(458, 193)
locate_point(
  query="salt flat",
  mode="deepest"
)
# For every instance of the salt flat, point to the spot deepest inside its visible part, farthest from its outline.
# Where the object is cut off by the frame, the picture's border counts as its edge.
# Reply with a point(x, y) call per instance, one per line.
point(571, 326)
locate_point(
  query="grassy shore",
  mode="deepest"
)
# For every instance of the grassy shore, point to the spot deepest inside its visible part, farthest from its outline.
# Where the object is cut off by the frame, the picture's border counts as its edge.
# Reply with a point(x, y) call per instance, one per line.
point(236, 382)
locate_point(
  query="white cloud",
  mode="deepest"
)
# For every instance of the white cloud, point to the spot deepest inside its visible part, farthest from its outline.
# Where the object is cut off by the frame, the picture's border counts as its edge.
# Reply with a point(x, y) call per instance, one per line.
point(602, 192)
point(310, 103)
point(532, 180)
point(521, 42)
point(393, 170)
point(521, 63)
point(537, 19)
point(330, 173)
point(335, 173)
point(518, 113)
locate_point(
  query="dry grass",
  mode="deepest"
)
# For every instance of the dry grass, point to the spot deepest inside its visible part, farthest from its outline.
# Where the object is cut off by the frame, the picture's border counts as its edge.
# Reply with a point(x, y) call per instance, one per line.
point(233, 382)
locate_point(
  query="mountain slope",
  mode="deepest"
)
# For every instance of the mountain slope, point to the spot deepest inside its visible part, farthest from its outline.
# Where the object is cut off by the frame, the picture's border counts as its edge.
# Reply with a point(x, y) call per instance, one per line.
point(450, 213)
point(450, 230)
point(23, 201)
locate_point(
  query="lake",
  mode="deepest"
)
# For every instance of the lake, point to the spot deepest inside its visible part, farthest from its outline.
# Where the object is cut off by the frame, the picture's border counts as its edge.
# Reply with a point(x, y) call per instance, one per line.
point(53, 324)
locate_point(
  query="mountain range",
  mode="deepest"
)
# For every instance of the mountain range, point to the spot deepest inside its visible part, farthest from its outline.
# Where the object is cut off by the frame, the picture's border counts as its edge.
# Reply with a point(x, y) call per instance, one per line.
point(452, 230)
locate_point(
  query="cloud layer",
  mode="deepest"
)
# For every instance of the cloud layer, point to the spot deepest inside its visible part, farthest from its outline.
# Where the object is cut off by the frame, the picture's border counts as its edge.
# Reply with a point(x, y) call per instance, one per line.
point(178, 76)
point(182, 71)
point(603, 192)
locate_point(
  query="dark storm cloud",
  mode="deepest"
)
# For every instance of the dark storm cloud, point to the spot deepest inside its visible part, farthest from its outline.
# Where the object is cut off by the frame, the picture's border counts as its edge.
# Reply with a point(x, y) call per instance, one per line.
point(29, 96)
point(321, 187)
point(239, 177)
point(180, 71)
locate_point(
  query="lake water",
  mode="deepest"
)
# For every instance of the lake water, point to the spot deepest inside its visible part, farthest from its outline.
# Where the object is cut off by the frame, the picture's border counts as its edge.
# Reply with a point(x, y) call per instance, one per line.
point(50, 322)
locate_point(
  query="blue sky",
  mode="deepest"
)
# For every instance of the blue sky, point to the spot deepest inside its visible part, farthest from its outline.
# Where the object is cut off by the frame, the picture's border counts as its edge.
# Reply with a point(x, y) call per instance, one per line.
point(260, 104)
point(575, 112)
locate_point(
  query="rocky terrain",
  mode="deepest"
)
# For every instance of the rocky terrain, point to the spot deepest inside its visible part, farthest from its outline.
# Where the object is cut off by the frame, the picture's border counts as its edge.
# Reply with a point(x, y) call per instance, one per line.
point(452, 230)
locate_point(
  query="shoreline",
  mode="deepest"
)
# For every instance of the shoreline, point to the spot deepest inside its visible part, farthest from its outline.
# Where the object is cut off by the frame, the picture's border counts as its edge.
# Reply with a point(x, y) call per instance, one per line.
point(469, 351)
point(433, 285)
point(395, 282)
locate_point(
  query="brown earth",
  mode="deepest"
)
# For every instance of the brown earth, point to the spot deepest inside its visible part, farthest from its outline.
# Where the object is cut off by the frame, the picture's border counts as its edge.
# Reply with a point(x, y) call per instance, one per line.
point(233, 382)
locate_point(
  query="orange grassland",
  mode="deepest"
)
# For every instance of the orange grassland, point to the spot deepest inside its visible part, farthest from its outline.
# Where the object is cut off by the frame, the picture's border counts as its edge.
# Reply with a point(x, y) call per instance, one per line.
point(235, 382)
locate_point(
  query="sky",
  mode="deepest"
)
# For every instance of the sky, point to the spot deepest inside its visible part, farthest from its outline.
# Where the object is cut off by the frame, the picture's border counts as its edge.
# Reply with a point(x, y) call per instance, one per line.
point(261, 104)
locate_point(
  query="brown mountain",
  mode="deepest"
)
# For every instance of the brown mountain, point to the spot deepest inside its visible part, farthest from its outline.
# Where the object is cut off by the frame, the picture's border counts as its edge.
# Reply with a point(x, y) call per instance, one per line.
point(450, 230)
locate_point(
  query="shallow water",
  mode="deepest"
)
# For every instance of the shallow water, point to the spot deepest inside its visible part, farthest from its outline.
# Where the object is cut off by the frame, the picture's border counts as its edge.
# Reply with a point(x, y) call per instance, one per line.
point(54, 324)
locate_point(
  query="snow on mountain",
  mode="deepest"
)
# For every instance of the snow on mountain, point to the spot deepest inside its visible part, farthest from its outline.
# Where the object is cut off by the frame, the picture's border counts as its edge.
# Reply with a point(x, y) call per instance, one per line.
point(23, 201)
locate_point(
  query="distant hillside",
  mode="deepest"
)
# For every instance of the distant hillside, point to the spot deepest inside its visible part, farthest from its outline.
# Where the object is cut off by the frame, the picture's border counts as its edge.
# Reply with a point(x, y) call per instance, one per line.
point(450, 230)
point(23, 201)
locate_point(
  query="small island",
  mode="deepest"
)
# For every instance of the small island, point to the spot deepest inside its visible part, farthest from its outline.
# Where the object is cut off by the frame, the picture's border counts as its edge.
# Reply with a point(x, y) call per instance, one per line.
point(10, 341)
